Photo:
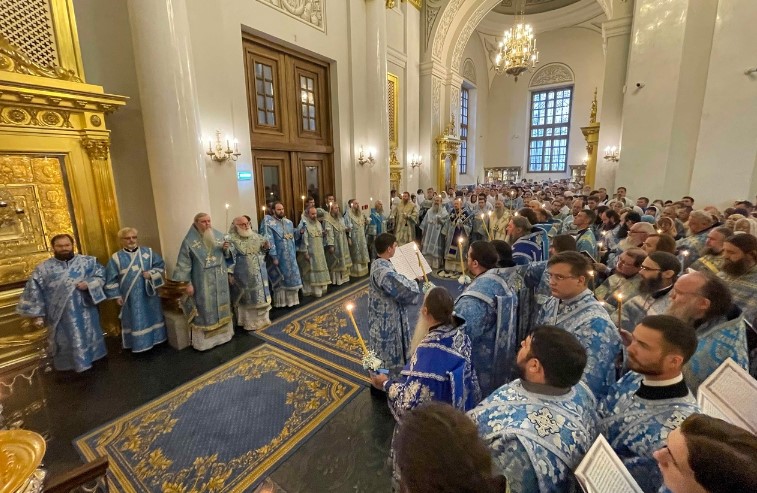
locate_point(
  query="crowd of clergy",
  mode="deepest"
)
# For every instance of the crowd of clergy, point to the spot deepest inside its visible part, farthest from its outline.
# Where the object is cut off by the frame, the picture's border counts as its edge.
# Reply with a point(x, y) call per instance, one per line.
point(579, 314)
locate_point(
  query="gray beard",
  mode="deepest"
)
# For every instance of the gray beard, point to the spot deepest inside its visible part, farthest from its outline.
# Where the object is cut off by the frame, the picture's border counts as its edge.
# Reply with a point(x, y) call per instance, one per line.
point(435, 208)
point(244, 233)
point(209, 239)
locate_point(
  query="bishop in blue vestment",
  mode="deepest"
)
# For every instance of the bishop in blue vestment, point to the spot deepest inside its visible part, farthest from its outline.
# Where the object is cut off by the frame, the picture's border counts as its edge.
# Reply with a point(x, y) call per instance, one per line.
point(63, 293)
point(283, 271)
point(132, 277)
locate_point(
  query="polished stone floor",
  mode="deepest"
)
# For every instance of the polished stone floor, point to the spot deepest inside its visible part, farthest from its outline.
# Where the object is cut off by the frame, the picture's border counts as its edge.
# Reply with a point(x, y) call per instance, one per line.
point(348, 454)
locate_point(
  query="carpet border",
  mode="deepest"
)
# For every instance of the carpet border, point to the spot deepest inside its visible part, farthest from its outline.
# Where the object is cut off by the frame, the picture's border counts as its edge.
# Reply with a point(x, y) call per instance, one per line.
point(354, 388)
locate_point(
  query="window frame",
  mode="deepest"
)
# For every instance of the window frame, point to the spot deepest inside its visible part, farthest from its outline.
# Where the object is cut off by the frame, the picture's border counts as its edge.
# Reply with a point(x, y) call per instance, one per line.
point(462, 159)
point(531, 127)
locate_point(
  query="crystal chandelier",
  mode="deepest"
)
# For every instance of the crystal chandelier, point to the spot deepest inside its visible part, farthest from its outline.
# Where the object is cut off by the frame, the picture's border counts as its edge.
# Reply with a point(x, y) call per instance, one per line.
point(518, 49)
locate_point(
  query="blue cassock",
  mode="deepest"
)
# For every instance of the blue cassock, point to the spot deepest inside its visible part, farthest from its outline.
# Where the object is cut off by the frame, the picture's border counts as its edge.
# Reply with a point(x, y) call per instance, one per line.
point(489, 308)
point(636, 427)
point(537, 439)
point(440, 370)
point(142, 324)
point(586, 242)
point(75, 336)
point(280, 235)
point(584, 317)
point(531, 247)
point(388, 325)
point(719, 340)
point(207, 271)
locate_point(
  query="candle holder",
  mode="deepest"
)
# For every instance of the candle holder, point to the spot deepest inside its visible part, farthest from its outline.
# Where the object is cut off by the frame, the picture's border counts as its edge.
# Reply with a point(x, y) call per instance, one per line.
point(369, 360)
point(219, 154)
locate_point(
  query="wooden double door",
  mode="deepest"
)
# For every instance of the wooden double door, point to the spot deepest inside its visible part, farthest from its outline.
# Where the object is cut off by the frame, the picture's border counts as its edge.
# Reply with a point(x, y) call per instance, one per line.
point(290, 122)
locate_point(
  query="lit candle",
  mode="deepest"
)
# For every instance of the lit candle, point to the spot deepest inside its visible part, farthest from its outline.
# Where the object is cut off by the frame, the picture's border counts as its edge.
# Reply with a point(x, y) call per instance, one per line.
point(685, 254)
point(490, 230)
point(423, 269)
point(227, 213)
point(619, 297)
point(591, 280)
point(351, 307)
point(265, 226)
point(600, 244)
point(460, 247)
point(303, 202)
point(486, 230)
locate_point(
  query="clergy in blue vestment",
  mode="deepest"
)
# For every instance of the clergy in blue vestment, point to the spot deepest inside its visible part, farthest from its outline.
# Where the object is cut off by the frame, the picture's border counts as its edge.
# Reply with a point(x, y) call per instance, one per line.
point(659, 271)
point(376, 226)
point(652, 399)
point(488, 306)
point(337, 246)
point(283, 272)
point(62, 294)
point(585, 240)
point(357, 224)
point(434, 228)
point(700, 223)
point(704, 301)
point(573, 307)
point(739, 272)
point(389, 295)
point(540, 426)
point(440, 368)
point(132, 277)
point(203, 260)
point(526, 241)
point(248, 277)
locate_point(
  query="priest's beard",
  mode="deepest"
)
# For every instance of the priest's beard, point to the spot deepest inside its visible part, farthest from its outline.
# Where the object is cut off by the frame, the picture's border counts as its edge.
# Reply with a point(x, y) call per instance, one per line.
point(209, 239)
point(244, 233)
point(710, 251)
point(435, 208)
point(653, 285)
point(682, 312)
point(65, 257)
point(650, 369)
point(420, 333)
point(737, 268)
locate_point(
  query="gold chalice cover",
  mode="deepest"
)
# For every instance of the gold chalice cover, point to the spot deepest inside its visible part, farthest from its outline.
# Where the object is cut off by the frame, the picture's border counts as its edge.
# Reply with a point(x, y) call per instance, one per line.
point(21, 452)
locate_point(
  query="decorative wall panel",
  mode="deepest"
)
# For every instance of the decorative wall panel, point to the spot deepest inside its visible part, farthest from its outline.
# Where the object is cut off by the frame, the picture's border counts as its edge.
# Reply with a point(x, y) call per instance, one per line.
point(311, 12)
point(28, 25)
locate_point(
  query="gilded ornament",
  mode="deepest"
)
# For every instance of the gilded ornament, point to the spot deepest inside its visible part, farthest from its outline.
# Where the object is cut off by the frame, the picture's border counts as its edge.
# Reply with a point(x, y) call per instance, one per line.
point(15, 61)
point(22, 453)
point(53, 100)
point(97, 149)
point(390, 4)
point(95, 120)
point(418, 4)
point(51, 118)
point(16, 115)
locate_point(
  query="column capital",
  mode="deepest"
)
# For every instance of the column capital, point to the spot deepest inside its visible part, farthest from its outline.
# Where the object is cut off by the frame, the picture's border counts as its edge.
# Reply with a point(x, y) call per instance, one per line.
point(97, 149)
point(616, 27)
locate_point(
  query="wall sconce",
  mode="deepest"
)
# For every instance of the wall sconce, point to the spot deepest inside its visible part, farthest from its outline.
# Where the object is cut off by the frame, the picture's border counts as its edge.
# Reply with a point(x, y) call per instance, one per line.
point(218, 153)
point(416, 161)
point(612, 154)
point(363, 159)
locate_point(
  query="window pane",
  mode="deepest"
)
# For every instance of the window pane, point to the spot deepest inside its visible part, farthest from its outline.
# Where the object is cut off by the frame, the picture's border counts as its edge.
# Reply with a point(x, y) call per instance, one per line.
point(550, 116)
point(464, 112)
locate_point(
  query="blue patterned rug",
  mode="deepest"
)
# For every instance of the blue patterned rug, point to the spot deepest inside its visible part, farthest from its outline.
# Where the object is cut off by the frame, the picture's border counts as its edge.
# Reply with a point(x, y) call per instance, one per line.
point(321, 332)
point(222, 432)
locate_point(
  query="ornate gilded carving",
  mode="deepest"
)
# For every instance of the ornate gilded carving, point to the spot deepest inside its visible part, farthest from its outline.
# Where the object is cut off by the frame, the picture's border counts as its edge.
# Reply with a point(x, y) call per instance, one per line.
point(418, 4)
point(37, 185)
point(28, 24)
point(12, 60)
point(33, 116)
point(310, 12)
point(390, 4)
point(97, 149)
point(447, 147)
point(593, 111)
point(395, 169)
point(392, 102)
point(95, 120)
point(551, 73)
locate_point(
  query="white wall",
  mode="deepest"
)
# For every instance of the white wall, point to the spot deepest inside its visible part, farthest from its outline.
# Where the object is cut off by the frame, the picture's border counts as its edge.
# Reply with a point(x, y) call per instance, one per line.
point(105, 40)
point(478, 115)
point(509, 101)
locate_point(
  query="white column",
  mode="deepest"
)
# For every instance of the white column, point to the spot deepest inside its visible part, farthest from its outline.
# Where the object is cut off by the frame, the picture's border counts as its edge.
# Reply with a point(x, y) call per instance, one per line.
point(163, 56)
point(616, 35)
point(725, 168)
point(375, 181)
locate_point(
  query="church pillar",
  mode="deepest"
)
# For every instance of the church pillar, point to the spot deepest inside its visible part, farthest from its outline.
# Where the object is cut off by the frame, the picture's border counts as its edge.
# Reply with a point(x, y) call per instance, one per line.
point(432, 118)
point(374, 181)
point(616, 36)
point(665, 88)
point(168, 95)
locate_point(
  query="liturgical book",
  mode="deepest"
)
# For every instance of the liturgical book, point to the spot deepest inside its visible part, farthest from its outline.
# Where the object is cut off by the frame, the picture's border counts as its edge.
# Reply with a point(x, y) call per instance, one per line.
point(730, 394)
point(405, 262)
point(602, 471)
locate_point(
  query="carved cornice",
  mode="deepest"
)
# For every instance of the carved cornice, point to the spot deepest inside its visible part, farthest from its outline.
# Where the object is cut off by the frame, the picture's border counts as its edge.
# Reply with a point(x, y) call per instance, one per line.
point(97, 149)
point(418, 4)
point(12, 60)
point(35, 117)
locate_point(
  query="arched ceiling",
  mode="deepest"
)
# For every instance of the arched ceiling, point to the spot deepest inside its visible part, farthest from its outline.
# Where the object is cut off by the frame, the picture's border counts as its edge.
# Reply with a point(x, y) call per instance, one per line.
point(532, 6)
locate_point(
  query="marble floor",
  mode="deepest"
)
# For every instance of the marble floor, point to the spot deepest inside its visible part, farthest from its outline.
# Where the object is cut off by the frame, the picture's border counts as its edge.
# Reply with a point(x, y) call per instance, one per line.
point(348, 454)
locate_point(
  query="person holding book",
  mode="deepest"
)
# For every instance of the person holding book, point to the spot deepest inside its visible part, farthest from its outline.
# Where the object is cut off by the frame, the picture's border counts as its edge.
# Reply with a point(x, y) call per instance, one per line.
point(488, 307)
point(652, 399)
point(389, 295)
point(541, 425)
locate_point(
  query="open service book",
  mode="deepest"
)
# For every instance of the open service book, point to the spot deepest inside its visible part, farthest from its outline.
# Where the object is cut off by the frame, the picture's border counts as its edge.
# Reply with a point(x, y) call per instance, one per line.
point(730, 394)
point(405, 261)
point(602, 471)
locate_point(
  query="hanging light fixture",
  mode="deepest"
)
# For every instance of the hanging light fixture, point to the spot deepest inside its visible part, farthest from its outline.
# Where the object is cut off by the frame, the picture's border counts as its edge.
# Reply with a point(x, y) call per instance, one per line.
point(518, 48)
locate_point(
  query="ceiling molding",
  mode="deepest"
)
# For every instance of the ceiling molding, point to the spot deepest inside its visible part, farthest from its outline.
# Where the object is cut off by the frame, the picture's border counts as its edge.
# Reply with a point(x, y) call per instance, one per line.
point(584, 13)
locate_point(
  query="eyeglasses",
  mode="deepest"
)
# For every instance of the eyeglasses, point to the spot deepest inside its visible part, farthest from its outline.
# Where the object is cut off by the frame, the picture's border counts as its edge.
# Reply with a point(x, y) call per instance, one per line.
point(559, 277)
point(651, 269)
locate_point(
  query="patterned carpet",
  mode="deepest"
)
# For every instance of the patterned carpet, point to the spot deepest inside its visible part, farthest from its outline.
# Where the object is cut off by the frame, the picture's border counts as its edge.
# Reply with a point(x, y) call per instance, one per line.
point(322, 333)
point(223, 431)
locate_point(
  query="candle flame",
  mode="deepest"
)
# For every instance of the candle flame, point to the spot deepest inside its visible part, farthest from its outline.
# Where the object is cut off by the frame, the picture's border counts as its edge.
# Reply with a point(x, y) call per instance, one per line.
point(302, 197)
point(263, 208)
point(415, 247)
point(227, 206)
point(460, 241)
point(350, 307)
point(619, 296)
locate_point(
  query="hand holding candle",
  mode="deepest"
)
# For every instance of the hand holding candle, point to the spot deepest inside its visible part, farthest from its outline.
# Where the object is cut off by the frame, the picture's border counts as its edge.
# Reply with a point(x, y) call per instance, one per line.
point(619, 297)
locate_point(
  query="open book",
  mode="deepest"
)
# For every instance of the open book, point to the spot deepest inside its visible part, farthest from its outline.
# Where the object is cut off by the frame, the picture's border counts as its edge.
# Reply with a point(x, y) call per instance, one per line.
point(405, 262)
point(602, 471)
point(730, 394)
